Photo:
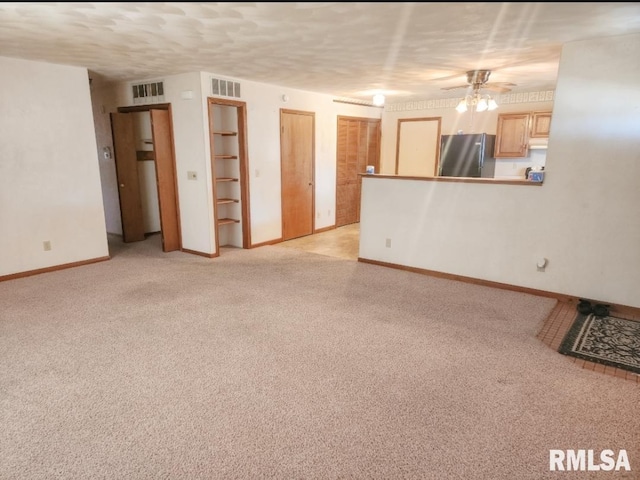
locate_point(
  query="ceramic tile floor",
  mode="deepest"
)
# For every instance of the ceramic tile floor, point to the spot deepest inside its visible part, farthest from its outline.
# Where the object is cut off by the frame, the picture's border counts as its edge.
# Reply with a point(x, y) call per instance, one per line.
point(555, 328)
point(343, 242)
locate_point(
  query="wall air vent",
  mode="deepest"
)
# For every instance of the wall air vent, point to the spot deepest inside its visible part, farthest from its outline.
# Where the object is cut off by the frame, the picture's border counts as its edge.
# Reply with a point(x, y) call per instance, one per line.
point(225, 88)
point(152, 92)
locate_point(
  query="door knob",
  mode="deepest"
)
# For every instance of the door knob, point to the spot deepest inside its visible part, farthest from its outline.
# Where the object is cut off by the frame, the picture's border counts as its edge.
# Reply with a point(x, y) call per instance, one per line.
point(122, 185)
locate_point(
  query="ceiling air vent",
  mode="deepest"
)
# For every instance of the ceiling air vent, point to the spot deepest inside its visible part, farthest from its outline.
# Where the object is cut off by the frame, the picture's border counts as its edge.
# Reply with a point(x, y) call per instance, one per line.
point(225, 88)
point(152, 92)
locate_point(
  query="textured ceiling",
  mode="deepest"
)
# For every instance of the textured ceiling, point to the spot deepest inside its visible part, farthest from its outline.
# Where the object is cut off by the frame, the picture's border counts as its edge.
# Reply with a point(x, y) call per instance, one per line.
point(408, 50)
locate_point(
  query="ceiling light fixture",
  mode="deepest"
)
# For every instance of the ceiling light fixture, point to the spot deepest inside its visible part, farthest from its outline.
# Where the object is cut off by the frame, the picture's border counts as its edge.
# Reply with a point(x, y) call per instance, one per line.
point(378, 100)
point(478, 102)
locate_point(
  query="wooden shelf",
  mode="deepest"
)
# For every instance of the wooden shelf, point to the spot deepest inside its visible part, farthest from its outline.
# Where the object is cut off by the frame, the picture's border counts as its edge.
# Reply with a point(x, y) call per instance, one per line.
point(228, 161)
point(226, 134)
point(143, 155)
point(226, 221)
point(221, 201)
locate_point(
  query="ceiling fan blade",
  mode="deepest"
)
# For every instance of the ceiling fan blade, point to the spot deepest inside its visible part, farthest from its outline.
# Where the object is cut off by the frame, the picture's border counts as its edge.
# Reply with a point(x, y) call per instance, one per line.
point(496, 88)
point(456, 87)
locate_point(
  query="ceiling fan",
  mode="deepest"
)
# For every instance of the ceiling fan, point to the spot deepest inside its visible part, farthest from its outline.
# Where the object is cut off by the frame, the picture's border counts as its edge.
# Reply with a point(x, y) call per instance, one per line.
point(478, 79)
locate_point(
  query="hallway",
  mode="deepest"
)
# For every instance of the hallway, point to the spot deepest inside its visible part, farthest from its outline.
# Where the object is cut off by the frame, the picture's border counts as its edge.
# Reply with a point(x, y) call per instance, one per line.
point(341, 242)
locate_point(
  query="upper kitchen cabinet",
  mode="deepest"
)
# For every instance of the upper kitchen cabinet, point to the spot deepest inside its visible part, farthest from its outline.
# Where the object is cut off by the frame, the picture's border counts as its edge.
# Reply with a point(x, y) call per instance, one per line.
point(540, 124)
point(515, 129)
point(512, 135)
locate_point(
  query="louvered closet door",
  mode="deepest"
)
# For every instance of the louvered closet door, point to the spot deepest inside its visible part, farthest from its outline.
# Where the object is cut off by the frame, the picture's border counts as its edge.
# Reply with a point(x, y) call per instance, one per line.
point(358, 146)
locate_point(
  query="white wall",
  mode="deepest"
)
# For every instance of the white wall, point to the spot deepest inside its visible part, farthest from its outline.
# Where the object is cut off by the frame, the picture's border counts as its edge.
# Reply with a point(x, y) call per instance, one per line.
point(49, 173)
point(468, 122)
point(190, 135)
point(584, 218)
point(263, 136)
point(191, 124)
point(101, 101)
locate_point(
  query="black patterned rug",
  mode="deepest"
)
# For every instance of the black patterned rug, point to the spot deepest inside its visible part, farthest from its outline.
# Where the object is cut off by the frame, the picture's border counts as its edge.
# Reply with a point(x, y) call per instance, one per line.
point(607, 340)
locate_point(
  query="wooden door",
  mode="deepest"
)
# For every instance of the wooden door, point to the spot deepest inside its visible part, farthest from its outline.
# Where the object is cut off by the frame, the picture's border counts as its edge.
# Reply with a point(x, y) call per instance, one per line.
point(166, 179)
point(127, 173)
point(418, 147)
point(297, 170)
point(358, 146)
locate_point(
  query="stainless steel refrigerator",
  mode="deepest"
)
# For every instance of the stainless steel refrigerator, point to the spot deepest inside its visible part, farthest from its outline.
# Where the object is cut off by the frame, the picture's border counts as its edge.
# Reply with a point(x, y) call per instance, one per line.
point(467, 155)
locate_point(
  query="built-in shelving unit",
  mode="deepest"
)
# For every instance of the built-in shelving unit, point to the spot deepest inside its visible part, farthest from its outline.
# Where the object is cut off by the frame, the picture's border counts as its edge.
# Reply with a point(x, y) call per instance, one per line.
point(228, 154)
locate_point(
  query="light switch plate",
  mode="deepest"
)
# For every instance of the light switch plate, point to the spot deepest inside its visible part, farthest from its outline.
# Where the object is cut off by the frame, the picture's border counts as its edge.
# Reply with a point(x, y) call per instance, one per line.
point(192, 175)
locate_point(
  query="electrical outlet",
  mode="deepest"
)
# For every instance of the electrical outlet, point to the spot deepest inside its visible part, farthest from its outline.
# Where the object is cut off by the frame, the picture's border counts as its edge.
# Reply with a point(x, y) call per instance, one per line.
point(541, 264)
point(46, 245)
point(387, 243)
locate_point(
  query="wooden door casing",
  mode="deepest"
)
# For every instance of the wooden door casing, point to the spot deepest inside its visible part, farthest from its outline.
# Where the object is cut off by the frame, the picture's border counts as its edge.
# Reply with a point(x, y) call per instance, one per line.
point(126, 157)
point(418, 146)
point(358, 146)
point(239, 131)
point(297, 172)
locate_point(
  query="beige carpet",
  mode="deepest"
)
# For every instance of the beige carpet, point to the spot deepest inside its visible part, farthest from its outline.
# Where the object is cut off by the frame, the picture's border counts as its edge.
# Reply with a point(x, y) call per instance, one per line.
point(278, 363)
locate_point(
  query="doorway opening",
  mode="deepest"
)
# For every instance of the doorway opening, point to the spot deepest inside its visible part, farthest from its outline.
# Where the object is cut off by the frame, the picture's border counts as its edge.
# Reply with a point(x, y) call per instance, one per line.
point(358, 147)
point(146, 174)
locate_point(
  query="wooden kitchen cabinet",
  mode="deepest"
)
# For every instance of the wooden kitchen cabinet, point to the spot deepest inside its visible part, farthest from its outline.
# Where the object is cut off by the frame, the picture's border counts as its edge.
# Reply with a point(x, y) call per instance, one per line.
point(515, 129)
point(540, 124)
point(512, 135)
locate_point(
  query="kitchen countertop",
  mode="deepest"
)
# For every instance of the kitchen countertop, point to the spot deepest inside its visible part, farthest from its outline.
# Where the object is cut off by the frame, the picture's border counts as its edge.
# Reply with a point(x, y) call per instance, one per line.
point(491, 181)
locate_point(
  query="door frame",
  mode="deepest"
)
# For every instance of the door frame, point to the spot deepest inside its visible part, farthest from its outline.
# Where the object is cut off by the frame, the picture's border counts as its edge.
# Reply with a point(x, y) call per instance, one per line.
point(439, 135)
point(284, 111)
point(148, 108)
point(243, 149)
point(377, 163)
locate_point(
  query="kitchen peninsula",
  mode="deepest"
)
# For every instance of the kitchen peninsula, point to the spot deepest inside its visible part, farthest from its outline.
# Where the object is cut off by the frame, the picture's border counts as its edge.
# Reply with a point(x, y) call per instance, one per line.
point(464, 227)
point(493, 181)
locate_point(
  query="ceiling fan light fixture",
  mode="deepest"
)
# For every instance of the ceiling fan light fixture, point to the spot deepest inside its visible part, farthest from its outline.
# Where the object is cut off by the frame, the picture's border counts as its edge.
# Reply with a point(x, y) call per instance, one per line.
point(378, 100)
point(462, 106)
point(477, 101)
